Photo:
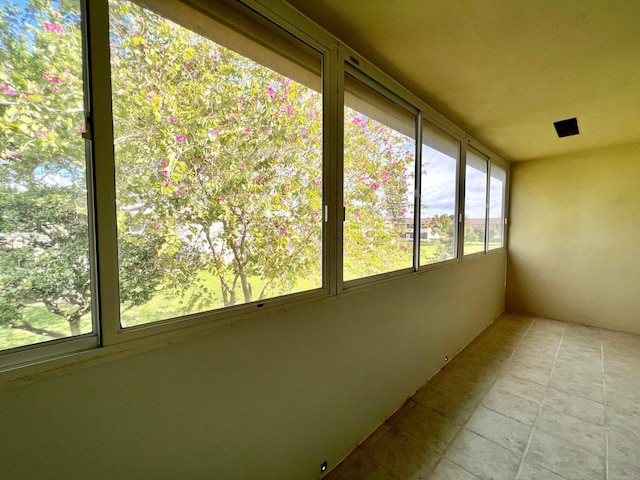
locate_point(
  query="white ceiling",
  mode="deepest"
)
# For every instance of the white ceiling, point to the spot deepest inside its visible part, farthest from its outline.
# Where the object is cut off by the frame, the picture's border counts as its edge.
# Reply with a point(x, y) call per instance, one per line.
point(505, 70)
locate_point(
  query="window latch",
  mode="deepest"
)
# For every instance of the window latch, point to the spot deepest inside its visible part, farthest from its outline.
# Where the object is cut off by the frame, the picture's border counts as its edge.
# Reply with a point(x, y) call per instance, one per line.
point(87, 133)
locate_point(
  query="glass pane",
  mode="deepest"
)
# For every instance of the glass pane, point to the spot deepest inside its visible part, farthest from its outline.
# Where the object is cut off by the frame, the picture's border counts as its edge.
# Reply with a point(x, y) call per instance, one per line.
point(475, 203)
point(218, 166)
point(45, 292)
point(440, 155)
point(379, 162)
point(496, 206)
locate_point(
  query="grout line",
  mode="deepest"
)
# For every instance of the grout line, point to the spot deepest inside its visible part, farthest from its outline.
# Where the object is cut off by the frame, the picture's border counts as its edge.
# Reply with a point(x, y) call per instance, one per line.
point(535, 421)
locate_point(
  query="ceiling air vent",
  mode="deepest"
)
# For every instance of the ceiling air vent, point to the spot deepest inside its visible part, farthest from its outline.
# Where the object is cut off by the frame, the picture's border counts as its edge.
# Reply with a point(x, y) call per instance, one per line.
point(566, 128)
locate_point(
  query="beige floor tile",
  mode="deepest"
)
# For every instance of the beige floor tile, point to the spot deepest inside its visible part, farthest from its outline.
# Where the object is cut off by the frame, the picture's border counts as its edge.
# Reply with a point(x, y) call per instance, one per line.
point(622, 402)
point(482, 457)
point(358, 466)
point(621, 365)
point(629, 386)
point(541, 349)
point(502, 430)
point(549, 325)
point(447, 470)
point(564, 459)
point(583, 370)
point(512, 406)
point(591, 360)
point(530, 367)
point(429, 427)
point(622, 471)
point(455, 407)
point(403, 456)
point(502, 347)
point(530, 471)
point(592, 412)
point(462, 382)
point(575, 385)
point(623, 449)
point(587, 345)
point(564, 427)
point(520, 387)
point(623, 422)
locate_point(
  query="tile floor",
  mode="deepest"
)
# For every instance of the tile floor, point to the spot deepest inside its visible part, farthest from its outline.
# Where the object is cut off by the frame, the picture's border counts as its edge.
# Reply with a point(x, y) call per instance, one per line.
point(529, 399)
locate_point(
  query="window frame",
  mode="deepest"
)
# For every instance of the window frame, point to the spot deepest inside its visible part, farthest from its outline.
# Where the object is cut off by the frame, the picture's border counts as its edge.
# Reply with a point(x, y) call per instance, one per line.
point(353, 69)
point(457, 199)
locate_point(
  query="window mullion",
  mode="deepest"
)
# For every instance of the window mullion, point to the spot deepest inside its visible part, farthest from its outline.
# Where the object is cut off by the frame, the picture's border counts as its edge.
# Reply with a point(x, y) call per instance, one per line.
point(103, 172)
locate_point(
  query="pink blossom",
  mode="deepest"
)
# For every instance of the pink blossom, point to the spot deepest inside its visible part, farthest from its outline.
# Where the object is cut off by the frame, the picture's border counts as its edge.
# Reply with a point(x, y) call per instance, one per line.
point(248, 130)
point(165, 184)
point(272, 92)
point(283, 231)
point(173, 119)
point(403, 247)
point(214, 131)
point(292, 137)
point(374, 185)
point(164, 173)
point(14, 155)
point(266, 130)
point(55, 89)
point(159, 226)
point(287, 185)
point(222, 198)
point(257, 181)
point(357, 214)
point(317, 183)
point(180, 138)
point(315, 213)
point(242, 166)
point(239, 100)
point(232, 118)
point(304, 131)
point(359, 121)
point(288, 110)
point(8, 90)
point(164, 163)
point(53, 27)
point(40, 134)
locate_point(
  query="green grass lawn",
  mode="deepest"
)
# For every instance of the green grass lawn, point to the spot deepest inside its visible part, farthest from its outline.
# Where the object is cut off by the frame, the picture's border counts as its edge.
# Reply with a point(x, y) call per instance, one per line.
point(163, 305)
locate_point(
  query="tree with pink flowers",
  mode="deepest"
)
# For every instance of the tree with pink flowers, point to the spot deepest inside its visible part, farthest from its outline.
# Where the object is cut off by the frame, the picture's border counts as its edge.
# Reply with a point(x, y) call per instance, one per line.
point(218, 159)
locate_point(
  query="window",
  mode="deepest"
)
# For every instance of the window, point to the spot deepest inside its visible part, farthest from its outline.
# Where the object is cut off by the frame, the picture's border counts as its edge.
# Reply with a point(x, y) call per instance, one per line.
point(45, 288)
point(497, 191)
point(202, 186)
point(475, 213)
point(218, 161)
point(439, 187)
point(378, 184)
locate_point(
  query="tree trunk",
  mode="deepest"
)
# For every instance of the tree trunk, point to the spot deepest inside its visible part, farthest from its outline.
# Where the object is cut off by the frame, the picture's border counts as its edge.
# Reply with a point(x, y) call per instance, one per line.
point(246, 287)
point(74, 324)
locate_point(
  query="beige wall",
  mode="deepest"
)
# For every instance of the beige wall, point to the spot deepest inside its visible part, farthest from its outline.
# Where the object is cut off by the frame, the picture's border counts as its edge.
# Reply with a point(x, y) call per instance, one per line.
point(574, 238)
point(270, 399)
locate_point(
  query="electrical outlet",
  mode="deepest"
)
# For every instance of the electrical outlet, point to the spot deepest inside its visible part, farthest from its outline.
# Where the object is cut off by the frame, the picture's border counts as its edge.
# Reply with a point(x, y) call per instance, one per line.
point(446, 358)
point(323, 467)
